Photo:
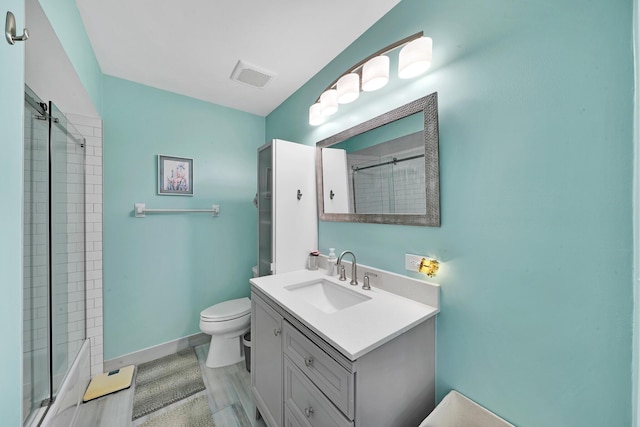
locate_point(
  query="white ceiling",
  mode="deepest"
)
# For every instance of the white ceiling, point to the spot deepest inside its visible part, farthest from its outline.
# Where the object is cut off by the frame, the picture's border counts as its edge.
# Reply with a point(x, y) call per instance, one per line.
point(191, 47)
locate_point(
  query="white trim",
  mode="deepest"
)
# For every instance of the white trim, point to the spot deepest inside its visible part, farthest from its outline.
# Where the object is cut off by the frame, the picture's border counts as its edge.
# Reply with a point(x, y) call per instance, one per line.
point(152, 353)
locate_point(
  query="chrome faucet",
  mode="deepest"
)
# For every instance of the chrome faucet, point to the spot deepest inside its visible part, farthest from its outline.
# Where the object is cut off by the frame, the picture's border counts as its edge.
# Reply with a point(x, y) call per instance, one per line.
point(354, 268)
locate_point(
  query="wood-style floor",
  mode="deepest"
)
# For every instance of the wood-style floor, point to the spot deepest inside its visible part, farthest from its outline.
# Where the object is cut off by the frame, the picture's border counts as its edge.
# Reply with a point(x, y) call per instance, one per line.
point(228, 391)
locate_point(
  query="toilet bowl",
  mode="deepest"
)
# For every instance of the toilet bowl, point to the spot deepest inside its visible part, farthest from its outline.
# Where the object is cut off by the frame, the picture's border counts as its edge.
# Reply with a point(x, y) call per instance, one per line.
point(226, 322)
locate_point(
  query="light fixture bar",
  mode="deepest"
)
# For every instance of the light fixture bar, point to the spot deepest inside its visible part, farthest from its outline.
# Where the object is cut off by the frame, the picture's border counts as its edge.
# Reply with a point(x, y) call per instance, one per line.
point(358, 67)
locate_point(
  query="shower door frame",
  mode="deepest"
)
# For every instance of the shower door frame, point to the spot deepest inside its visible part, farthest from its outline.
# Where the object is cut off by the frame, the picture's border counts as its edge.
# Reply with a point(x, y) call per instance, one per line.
point(70, 240)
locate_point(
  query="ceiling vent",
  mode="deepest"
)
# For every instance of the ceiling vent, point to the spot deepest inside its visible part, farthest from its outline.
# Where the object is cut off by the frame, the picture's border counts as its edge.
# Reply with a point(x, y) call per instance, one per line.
point(250, 75)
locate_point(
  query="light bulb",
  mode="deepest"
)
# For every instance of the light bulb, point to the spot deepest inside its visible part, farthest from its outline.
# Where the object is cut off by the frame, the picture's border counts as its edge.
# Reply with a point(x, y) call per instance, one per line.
point(348, 88)
point(415, 58)
point(329, 102)
point(375, 73)
point(315, 115)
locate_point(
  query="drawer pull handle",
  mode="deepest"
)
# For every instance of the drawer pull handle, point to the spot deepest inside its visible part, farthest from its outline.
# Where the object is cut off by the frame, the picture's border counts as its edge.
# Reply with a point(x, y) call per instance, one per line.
point(308, 412)
point(308, 361)
point(276, 332)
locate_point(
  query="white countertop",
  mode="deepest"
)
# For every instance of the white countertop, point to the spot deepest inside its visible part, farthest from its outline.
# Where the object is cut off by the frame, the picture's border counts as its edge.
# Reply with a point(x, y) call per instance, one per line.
point(355, 330)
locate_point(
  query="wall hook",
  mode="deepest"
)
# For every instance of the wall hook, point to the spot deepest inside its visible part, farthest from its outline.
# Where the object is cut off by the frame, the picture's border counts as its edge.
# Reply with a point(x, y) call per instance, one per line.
point(331, 194)
point(10, 30)
point(299, 194)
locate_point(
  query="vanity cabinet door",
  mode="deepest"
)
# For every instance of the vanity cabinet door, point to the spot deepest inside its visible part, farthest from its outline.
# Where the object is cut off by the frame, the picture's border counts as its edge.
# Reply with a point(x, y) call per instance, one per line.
point(266, 363)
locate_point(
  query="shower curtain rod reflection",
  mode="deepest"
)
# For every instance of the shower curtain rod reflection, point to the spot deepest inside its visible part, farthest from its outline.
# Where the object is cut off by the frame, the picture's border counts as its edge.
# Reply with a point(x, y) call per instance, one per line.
point(41, 108)
point(393, 161)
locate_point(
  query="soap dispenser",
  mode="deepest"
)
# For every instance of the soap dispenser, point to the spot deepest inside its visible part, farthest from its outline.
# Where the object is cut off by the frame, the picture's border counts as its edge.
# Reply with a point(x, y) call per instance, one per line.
point(331, 262)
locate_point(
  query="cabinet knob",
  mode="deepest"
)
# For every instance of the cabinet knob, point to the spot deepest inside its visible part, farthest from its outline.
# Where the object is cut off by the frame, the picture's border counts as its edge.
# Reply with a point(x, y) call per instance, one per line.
point(276, 332)
point(308, 361)
point(308, 412)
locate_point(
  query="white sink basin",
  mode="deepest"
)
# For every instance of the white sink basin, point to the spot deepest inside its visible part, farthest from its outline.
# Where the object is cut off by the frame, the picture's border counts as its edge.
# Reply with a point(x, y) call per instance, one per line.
point(327, 296)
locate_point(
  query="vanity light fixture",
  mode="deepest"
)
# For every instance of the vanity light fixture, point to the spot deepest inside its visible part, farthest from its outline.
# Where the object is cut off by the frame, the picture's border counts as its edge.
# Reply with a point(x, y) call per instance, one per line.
point(372, 73)
point(415, 58)
point(375, 73)
point(429, 267)
point(315, 114)
point(348, 87)
point(329, 102)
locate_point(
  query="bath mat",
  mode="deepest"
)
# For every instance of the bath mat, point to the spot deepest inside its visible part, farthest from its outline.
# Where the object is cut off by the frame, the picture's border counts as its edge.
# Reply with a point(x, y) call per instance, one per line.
point(193, 413)
point(166, 380)
point(109, 382)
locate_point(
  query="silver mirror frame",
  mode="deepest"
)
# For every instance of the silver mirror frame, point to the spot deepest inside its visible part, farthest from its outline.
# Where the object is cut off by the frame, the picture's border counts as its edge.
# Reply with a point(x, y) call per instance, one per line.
point(429, 106)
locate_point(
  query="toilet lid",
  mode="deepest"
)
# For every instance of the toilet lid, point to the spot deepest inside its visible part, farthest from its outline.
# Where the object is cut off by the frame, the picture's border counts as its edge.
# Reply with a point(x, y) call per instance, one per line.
point(227, 310)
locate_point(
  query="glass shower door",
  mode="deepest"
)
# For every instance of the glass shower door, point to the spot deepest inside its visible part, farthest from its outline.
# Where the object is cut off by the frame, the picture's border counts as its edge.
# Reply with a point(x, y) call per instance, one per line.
point(36, 353)
point(54, 253)
point(68, 244)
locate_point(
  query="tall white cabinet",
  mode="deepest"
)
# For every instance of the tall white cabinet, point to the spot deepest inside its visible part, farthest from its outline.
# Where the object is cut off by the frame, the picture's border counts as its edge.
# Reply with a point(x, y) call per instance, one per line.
point(287, 206)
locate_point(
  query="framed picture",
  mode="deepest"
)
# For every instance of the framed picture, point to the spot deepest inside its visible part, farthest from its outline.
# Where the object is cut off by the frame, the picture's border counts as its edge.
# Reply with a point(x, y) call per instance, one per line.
point(175, 176)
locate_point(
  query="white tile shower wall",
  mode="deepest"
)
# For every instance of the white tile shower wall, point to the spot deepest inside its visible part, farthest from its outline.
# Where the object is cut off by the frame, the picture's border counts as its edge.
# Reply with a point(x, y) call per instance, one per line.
point(68, 263)
point(91, 129)
point(408, 183)
point(369, 186)
point(389, 188)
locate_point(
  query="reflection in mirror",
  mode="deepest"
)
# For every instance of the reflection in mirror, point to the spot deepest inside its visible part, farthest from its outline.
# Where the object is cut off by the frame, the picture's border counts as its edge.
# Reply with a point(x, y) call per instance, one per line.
point(377, 172)
point(384, 170)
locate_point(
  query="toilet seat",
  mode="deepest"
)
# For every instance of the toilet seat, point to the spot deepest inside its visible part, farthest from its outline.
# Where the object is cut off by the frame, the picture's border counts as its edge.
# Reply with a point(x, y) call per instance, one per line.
point(227, 310)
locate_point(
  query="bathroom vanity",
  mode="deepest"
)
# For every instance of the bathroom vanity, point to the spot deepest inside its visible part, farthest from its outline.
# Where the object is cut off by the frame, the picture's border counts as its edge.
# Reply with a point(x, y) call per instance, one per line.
point(325, 353)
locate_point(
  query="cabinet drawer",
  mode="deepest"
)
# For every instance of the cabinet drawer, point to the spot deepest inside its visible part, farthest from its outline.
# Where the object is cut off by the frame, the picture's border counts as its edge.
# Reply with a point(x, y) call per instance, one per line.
point(327, 374)
point(305, 405)
point(289, 419)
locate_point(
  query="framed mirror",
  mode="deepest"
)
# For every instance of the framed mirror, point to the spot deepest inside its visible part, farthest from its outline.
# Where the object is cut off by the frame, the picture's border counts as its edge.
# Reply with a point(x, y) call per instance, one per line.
point(385, 170)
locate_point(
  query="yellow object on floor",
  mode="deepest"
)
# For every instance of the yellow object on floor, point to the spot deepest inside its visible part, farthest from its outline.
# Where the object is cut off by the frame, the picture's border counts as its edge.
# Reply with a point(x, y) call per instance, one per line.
point(109, 382)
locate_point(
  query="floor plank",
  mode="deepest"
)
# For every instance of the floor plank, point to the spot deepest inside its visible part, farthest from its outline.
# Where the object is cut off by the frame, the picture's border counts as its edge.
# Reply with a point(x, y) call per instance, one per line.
point(228, 392)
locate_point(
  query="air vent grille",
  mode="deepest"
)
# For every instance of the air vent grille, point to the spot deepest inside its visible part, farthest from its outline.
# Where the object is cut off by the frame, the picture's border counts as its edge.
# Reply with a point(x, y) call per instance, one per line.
point(251, 75)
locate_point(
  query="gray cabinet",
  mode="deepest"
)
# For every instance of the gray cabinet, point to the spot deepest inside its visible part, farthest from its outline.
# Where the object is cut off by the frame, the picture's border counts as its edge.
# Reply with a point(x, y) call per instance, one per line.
point(305, 404)
point(331, 378)
point(266, 361)
point(299, 379)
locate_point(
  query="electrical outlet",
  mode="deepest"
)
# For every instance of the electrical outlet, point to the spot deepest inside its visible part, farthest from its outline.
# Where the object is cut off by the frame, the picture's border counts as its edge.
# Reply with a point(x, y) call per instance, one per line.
point(412, 262)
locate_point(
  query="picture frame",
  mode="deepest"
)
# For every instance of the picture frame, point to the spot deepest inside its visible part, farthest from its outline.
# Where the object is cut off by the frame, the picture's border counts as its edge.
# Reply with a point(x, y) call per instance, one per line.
point(175, 176)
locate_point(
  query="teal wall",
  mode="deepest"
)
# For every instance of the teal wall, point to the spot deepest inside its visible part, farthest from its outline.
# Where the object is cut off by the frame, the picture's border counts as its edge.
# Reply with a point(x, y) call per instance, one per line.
point(536, 148)
point(11, 135)
point(67, 23)
point(161, 271)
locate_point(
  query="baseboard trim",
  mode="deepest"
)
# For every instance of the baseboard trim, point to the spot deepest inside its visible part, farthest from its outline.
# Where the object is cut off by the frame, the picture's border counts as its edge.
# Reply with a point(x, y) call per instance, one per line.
point(160, 350)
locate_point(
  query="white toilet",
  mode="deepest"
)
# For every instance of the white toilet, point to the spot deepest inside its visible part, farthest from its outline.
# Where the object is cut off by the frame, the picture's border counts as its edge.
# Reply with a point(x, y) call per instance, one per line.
point(226, 322)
